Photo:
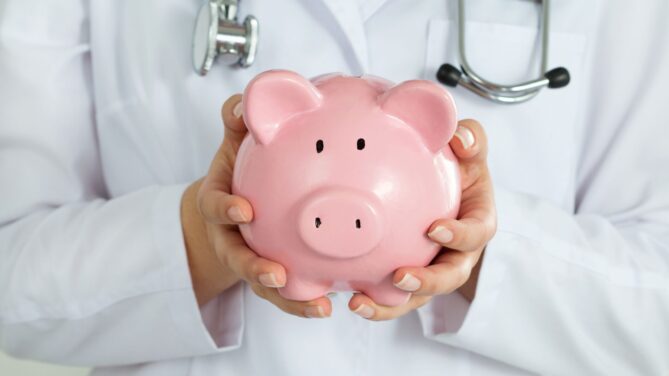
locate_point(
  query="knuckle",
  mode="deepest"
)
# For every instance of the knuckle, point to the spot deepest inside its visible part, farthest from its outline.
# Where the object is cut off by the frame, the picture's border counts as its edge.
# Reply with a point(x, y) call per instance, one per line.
point(476, 127)
point(489, 233)
point(248, 275)
point(203, 206)
point(470, 123)
point(464, 272)
point(430, 284)
point(199, 199)
point(253, 269)
point(227, 105)
point(492, 228)
point(489, 230)
point(380, 316)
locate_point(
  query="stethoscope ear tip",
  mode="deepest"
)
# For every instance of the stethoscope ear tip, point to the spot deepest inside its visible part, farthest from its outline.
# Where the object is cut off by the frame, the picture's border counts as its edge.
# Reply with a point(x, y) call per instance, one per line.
point(449, 75)
point(557, 77)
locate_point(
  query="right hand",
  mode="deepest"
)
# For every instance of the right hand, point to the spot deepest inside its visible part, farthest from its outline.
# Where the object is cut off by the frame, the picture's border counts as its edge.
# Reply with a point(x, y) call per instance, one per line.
point(217, 254)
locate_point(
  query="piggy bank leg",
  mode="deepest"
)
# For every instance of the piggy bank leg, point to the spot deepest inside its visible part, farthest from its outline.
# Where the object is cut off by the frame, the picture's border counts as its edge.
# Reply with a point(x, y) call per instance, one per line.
point(385, 293)
point(299, 288)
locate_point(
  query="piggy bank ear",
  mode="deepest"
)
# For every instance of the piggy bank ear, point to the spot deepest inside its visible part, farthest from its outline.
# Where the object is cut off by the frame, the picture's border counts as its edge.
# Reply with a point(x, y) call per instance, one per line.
point(426, 107)
point(274, 96)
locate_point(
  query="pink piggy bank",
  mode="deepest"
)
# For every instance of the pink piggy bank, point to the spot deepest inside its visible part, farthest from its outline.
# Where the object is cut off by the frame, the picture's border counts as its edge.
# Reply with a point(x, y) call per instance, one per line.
point(345, 176)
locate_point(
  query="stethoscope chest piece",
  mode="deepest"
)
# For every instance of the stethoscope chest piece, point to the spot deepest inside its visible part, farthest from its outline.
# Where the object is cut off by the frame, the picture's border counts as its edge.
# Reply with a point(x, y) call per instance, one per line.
point(217, 34)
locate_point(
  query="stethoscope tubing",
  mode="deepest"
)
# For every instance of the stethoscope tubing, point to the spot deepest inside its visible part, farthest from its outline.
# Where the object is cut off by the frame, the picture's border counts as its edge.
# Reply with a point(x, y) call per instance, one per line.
point(506, 94)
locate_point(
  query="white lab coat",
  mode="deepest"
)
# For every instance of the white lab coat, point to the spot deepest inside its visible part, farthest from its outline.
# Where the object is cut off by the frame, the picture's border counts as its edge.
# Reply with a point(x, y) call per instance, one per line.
point(103, 124)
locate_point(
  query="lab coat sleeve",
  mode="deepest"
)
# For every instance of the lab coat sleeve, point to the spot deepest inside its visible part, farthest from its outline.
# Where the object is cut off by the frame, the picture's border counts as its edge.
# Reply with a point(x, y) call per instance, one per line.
point(586, 291)
point(84, 280)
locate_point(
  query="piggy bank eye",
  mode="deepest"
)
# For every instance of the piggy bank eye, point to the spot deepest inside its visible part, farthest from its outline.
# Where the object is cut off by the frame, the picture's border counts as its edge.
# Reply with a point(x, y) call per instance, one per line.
point(361, 143)
point(319, 146)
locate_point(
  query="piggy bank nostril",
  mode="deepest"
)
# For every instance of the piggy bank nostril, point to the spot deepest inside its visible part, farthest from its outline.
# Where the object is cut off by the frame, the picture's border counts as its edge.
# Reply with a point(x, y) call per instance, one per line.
point(330, 221)
point(361, 143)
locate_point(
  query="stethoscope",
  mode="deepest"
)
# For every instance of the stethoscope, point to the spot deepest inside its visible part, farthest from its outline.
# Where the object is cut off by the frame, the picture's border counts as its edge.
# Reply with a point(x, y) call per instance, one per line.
point(218, 33)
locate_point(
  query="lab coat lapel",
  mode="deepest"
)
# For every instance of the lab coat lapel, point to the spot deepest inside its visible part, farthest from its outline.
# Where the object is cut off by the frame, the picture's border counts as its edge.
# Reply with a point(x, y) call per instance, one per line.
point(349, 18)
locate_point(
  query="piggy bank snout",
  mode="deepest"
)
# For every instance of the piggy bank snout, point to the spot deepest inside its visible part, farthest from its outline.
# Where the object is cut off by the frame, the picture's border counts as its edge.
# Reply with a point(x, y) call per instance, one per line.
point(340, 223)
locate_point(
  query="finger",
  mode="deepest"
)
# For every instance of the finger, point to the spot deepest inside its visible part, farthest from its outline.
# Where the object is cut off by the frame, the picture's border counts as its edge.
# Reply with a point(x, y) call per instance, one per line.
point(470, 143)
point(214, 200)
point(468, 234)
point(219, 175)
point(365, 307)
point(231, 112)
point(219, 207)
point(317, 308)
point(477, 221)
point(250, 267)
point(447, 273)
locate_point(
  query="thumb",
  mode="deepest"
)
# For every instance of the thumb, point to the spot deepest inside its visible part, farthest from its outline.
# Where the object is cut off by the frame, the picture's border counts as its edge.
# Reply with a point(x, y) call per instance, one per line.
point(235, 129)
point(470, 143)
point(220, 172)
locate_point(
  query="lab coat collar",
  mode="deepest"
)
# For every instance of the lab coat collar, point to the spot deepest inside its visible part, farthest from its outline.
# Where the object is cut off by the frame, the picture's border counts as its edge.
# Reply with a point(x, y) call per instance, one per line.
point(369, 7)
point(351, 20)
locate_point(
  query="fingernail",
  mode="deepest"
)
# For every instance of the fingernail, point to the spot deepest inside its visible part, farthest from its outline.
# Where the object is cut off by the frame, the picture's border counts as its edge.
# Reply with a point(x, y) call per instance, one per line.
point(441, 234)
point(409, 283)
point(237, 110)
point(269, 280)
point(314, 312)
point(365, 311)
point(465, 135)
point(235, 213)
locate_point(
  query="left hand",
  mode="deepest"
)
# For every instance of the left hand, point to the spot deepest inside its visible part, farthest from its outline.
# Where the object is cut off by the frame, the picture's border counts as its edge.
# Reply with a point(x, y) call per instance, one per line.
point(463, 239)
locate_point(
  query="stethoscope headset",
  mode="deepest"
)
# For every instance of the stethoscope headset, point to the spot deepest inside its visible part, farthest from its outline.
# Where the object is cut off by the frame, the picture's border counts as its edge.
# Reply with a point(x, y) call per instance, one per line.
point(218, 34)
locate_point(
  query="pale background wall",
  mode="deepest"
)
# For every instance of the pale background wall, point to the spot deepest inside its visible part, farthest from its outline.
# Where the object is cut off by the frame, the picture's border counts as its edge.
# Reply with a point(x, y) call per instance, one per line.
point(15, 367)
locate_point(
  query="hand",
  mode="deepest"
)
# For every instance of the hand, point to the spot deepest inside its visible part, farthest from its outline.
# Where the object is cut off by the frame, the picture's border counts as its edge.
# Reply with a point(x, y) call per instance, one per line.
point(463, 239)
point(218, 255)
